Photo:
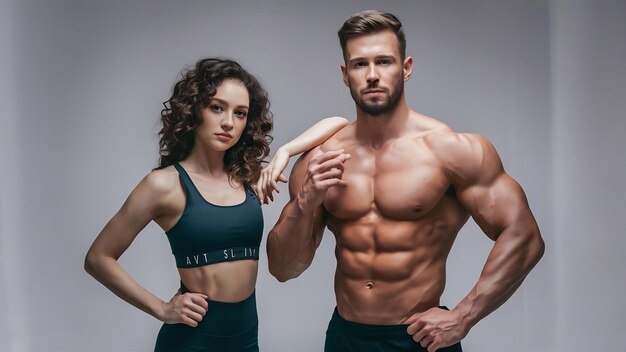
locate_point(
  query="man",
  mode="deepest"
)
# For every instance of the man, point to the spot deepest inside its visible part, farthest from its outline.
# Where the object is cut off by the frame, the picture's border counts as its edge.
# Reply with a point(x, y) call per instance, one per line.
point(395, 187)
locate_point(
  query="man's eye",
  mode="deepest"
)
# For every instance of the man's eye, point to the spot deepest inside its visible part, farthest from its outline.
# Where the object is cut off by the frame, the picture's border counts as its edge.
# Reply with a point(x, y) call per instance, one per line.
point(360, 64)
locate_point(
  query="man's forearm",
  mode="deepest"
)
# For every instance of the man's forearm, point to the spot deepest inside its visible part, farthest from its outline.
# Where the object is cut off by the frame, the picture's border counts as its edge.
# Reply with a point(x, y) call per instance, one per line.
point(291, 244)
point(511, 259)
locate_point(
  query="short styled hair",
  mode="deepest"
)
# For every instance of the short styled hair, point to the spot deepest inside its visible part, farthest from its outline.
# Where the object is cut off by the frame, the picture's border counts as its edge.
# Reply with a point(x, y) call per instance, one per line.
point(369, 22)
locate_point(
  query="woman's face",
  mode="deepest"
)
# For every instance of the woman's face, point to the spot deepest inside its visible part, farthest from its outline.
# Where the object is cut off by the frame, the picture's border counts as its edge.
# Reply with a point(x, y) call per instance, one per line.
point(224, 120)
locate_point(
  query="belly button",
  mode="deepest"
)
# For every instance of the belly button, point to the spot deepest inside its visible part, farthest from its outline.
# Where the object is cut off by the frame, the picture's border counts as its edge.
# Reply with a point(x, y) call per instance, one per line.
point(369, 285)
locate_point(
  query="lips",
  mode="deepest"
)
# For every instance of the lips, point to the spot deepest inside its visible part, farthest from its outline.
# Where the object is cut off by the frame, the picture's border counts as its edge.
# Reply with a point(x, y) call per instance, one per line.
point(373, 91)
point(224, 136)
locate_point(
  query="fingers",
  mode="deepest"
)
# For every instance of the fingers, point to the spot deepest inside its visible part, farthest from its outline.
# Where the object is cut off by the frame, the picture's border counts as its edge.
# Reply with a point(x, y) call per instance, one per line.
point(265, 184)
point(417, 330)
point(258, 188)
point(434, 346)
point(335, 163)
point(421, 335)
point(434, 329)
point(420, 332)
point(193, 316)
point(326, 162)
point(329, 173)
point(201, 301)
point(333, 182)
point(269, 184)
point(272, 173)
point(332, 173)
point(193, 308)
point(327, 156)
point(190, 322)
point(426, 341)
point(274, 186)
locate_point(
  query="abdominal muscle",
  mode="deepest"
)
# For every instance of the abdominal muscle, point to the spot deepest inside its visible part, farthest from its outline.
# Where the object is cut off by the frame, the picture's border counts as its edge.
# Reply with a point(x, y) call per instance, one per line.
point(388, 270)
point(388, 301)
point(223, 282)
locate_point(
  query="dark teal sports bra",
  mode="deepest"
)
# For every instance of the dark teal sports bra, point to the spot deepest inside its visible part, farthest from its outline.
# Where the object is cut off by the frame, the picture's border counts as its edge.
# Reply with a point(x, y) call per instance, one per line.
point(207, 233)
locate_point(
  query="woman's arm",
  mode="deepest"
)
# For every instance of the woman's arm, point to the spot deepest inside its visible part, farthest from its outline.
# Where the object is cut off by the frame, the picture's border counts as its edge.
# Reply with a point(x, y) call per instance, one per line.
point(145, 203)
point(309, 139)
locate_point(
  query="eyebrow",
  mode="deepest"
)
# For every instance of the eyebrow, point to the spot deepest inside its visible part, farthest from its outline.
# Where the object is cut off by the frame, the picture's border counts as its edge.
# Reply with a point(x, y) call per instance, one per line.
point(224, 102)
point(360, 58)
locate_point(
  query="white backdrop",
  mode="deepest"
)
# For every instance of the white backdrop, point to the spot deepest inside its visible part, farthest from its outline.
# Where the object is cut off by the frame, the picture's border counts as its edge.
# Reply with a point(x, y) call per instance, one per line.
point(82, 89)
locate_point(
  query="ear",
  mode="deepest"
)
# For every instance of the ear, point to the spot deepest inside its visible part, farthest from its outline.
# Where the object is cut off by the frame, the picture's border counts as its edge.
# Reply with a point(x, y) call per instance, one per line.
point(344, 74)
point(407, 68)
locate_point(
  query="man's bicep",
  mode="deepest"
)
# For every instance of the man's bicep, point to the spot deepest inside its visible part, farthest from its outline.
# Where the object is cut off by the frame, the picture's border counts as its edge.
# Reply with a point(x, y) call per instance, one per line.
point(496, 205)
point(492, 197)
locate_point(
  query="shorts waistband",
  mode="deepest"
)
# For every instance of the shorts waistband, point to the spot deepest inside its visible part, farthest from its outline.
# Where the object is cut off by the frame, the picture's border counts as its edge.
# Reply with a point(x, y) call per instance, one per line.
point(368, 331)
point(252, 297)
point(228, 318)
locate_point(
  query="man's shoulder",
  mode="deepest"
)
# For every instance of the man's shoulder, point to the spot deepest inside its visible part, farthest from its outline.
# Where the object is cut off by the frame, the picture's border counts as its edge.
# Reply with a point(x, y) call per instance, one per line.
point(463, 153)
point(339, 140)
point(448, 140)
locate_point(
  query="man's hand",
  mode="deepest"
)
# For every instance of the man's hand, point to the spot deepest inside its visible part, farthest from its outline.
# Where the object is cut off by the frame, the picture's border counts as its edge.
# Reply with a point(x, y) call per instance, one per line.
point(188, 308)
point(436, 328)
point(324, 171)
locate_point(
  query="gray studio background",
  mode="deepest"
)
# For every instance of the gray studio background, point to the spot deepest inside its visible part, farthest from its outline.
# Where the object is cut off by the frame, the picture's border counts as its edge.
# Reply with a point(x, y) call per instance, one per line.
point(82, 86)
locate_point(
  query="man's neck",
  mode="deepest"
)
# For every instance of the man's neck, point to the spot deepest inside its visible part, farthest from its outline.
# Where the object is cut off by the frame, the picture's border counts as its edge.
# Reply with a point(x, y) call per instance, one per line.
point(379, 129)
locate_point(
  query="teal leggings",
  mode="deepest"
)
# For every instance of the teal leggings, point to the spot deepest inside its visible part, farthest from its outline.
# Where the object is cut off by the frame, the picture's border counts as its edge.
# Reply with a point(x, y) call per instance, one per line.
point(225, 327)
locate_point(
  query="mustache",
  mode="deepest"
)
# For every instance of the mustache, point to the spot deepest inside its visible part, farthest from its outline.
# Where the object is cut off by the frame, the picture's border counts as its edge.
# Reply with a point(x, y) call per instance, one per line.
point(373, 87)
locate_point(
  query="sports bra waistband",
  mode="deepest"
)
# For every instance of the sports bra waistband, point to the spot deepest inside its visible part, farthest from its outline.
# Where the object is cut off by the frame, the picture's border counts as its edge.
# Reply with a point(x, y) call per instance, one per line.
point(217, 256)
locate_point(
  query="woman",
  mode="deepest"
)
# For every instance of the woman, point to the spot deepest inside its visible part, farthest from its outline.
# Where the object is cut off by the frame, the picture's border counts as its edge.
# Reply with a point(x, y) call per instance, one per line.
point(215, 133)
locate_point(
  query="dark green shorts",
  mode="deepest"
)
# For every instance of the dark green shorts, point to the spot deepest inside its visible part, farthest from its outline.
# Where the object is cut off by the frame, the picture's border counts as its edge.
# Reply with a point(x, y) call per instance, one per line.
point(229, 327)
point(347, 336)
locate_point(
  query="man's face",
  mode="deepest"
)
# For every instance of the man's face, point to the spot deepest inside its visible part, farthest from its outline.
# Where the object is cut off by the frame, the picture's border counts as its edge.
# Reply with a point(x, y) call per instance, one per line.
point(375, 72)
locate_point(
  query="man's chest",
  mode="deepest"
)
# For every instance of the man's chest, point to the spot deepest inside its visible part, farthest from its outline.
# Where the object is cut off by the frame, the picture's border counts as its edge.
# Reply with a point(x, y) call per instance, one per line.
point(399, 182)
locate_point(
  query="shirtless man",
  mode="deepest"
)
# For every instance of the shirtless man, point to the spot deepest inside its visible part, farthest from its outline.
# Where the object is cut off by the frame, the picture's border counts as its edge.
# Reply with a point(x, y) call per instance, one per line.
point(395, 187)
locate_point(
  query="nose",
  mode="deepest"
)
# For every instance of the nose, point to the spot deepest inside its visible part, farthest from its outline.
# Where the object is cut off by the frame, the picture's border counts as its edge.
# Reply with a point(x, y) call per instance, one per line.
point(227, 122)
point(372, 75)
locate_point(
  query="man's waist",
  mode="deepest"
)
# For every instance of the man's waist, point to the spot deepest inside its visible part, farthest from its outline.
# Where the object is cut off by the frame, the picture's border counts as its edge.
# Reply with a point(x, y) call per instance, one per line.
point(369, 329)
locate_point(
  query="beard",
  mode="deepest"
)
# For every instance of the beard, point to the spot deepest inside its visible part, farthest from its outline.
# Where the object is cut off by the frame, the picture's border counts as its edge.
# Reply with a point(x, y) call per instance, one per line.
point(379, 106)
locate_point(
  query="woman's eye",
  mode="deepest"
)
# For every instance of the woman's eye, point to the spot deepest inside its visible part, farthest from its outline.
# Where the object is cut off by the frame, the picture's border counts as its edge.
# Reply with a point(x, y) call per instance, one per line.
point(241, 114)
point(216, 108)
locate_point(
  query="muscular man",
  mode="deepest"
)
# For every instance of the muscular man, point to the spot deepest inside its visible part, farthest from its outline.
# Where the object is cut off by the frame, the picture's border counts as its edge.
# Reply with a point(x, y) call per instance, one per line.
point(395, 187)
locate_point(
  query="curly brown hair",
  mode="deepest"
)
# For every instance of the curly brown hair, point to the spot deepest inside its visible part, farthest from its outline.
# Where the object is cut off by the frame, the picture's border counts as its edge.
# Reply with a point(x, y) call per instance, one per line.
point(182, 116)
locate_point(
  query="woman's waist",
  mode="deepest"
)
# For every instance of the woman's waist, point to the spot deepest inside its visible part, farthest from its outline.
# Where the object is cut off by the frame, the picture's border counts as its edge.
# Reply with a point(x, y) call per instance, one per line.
point(223, 282)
